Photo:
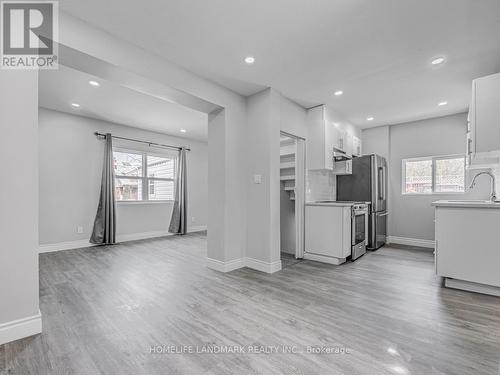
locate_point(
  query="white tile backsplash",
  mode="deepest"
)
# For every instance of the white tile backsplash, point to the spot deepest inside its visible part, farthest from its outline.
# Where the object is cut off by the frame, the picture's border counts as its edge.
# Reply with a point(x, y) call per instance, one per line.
point(320, 185)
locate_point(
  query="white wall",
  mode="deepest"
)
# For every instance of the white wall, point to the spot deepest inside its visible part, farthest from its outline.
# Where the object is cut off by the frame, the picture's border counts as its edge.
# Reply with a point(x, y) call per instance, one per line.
point(412, 216)
point(70, 173)
point(19, 205)
point(376, 141)
point(268, 113)
point(263, 150)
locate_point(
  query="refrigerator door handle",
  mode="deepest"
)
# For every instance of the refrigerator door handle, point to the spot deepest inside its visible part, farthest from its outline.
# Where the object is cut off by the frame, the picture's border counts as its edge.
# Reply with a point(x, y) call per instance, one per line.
point(384, 214)
point(380, 183)
point(384, 183)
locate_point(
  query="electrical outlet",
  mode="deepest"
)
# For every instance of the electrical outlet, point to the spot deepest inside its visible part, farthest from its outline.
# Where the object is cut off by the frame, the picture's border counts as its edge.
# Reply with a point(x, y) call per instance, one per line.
point(79, 229)
point(193, 219)
point(257, 178)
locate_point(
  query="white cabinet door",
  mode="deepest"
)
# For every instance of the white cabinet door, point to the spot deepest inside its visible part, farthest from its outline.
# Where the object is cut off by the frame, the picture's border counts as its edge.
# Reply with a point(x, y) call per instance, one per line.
point(349, 144)
point(330, 143)
point(328, 231)
point(485, 114)
point(317, 139)
point(322, 137)
point(356, 143)
point(465, 250)
point(336, 137)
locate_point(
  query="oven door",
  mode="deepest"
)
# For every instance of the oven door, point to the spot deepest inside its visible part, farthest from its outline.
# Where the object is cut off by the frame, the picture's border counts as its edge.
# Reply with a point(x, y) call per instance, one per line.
point(359, 227)
point(359, 233)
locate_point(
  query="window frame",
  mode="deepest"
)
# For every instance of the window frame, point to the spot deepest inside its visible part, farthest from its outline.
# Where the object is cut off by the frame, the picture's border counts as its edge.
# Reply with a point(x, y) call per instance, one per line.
point(145, 180)
point(433, 160)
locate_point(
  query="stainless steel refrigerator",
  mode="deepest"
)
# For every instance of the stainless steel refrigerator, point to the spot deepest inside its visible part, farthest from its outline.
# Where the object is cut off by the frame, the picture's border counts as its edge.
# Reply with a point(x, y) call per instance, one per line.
point(368, 183)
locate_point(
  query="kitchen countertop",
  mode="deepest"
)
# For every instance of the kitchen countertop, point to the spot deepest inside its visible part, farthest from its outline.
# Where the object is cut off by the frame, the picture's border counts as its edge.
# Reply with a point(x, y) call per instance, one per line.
point(466, 204)
point(332, 203)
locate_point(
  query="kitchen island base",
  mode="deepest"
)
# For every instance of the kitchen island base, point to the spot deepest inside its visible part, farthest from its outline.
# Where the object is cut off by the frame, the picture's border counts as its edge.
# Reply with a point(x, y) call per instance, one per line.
point(472, 287)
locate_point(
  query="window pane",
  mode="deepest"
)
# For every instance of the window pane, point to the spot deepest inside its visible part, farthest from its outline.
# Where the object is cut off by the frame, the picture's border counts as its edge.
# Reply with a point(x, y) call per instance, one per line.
point(127, 164)
point(418, 177)
point(161, 190)
point(161, 167)
point(450, 175)
point(128, 189)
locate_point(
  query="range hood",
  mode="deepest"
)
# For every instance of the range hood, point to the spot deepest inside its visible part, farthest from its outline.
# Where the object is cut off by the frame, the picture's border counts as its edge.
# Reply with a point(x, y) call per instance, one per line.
point(339, 155)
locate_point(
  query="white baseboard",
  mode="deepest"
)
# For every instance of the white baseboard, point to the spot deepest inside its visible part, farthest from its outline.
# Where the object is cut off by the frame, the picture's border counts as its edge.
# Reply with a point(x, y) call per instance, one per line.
point(79, 244)
point(69, 245)
point(259, 265)
point(141, 236)
point(21, 328)
point(198, 228)
point(225, 266)
point(411, 241)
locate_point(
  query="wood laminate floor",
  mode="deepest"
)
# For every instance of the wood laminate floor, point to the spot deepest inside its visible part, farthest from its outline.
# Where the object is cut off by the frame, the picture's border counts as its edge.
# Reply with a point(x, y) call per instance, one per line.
point(104, 309)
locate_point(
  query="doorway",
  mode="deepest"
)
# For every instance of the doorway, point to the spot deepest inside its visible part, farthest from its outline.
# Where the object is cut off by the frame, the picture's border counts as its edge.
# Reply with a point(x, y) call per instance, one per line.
point(292, 198)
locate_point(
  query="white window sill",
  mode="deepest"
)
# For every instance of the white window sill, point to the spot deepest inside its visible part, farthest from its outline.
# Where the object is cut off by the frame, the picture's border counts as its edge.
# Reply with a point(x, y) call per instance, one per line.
point(436, 193)
point(132, 203)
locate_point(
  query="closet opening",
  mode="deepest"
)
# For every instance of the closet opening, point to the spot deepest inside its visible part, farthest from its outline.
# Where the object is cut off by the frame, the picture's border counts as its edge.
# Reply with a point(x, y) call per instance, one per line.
point(292, 198)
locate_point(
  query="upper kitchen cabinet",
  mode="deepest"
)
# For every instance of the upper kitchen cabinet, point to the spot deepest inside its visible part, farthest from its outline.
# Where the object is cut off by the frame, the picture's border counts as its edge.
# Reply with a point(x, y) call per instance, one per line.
point(348, 144)
point(356, 146)
point(327, 138)
point(483, 128)
point(336, 136)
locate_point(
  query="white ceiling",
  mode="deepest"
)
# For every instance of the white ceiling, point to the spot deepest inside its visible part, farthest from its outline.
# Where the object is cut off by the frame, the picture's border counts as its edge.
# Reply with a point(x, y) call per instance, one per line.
point(377, 51)
point(115, 103)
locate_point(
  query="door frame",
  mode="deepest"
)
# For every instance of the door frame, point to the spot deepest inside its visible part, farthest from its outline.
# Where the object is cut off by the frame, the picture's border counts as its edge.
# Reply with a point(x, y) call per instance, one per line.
point(300, 192)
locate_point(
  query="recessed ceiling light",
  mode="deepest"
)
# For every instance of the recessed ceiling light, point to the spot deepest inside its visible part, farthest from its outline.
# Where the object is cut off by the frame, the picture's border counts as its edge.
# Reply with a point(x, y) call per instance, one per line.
point(183, 130)
point(338, 93)
point(442, 103)
point(94, 83)
point(370, 118)
point(392, 351)
point(438, 60)
point(399, 370)
point(75, 105)
point(249, 59)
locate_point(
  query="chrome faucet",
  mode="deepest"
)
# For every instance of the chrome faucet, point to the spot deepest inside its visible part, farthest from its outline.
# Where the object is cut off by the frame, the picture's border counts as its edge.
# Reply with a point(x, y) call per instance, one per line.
point(493, 196)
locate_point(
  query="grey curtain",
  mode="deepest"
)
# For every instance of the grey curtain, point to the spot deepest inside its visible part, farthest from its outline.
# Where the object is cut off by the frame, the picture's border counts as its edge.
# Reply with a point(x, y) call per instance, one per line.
point(178, 221)
point(104, 231)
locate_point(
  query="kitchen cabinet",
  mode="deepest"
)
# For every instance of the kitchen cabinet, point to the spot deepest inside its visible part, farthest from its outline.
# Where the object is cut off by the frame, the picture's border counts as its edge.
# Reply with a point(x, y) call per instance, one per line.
point(483, 123)
point(349, 146)
point(466, 255)
point(322, 137)
point(328, 232)
point(338, 136)
point(356, 146)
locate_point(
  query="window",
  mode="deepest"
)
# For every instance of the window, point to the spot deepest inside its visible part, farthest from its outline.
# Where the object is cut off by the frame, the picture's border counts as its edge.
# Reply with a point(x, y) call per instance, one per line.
point(143, 176)
point(434, 175)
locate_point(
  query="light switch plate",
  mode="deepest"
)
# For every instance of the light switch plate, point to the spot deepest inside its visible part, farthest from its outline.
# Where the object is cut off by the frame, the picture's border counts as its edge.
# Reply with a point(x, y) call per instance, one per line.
point(257, 178)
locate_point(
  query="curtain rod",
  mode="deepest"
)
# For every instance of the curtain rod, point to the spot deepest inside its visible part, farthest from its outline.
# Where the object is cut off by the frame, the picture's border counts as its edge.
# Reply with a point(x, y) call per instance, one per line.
point(97, 134)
